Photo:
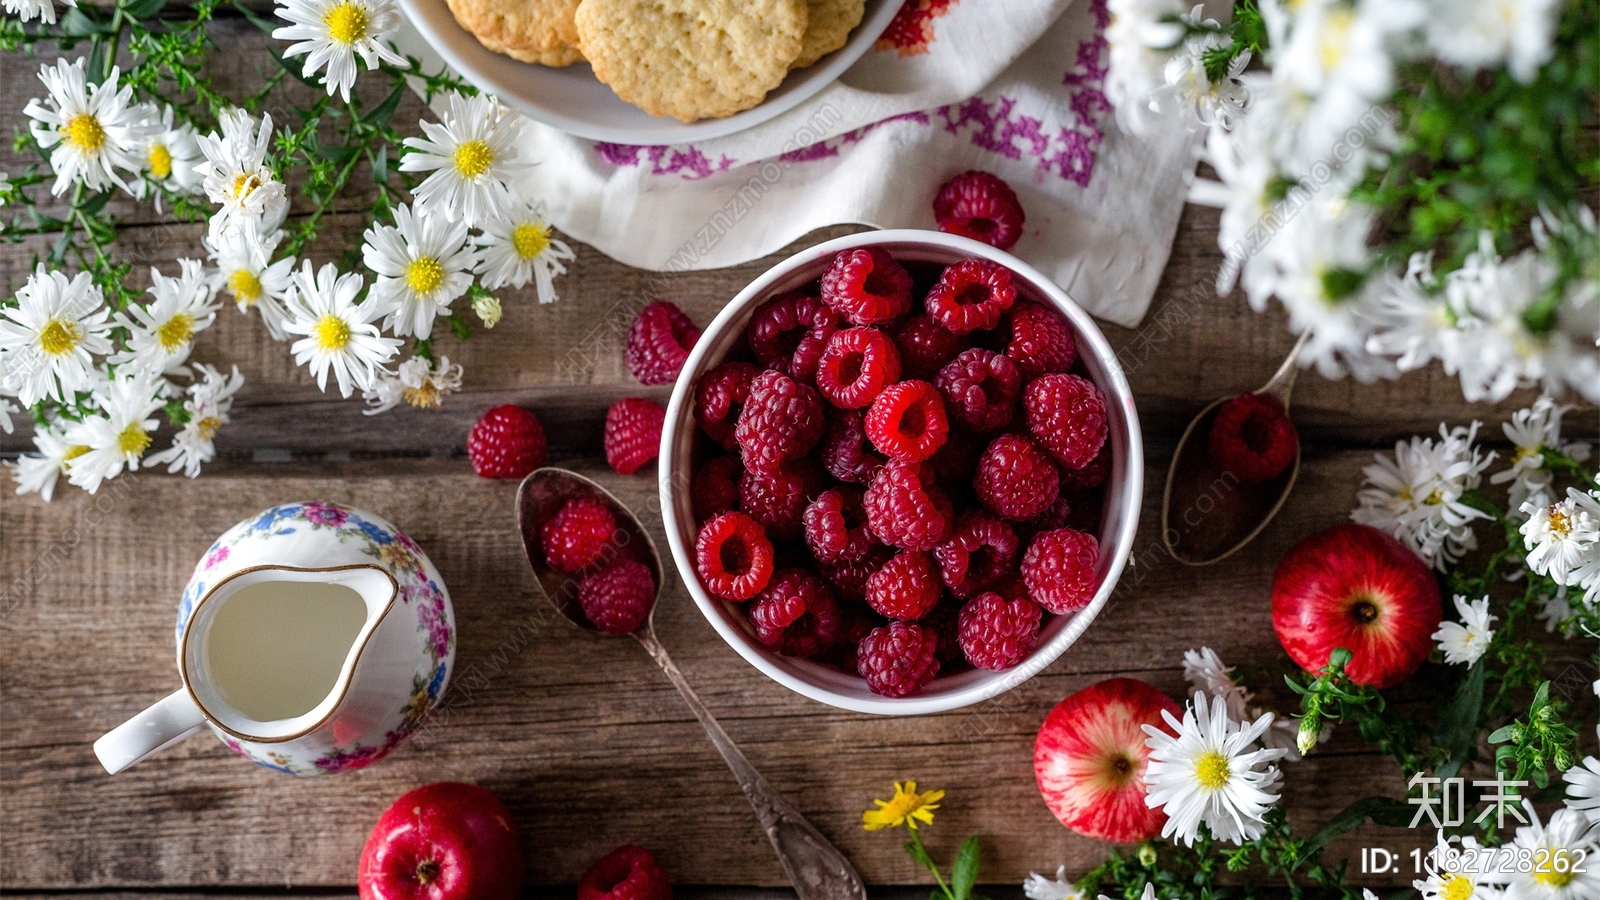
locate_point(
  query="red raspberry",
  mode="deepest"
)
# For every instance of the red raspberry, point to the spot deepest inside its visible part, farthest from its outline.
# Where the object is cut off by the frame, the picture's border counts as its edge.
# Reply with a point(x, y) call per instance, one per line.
point(1040, 342)
point(778, 499)
point(733, 556)
point(1091, 476)
point(980, 552)
point(617, 599)
point(626, 873)
point(1055, 517)
point(633, 433)
point(659, 341)
point(957, 460)
point(1059, 570)
point(980, 206)
point(718, 398)
point(943, 621)
point(866, 286)
point(1253, 438)
point(1068, 416)
point(898, 659)
point(577, 534)
point(781, 421)
point(845, 452)
point(907, 421)
point(906, 587)
point(508, 442)
point(856, 366)
point(980, 388)
point(850, 580)
point(1016, 479)
point(796, 615)
point(926, 346)
point(997, 633)
point(971, 296)
point(836, 526)
point(715, 488)
point(789, 332)
point(905, 510)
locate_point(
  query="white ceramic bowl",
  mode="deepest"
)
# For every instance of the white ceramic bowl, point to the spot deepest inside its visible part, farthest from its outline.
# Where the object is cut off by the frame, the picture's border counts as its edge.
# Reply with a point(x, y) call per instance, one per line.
point(826, 683)
point(573, 100)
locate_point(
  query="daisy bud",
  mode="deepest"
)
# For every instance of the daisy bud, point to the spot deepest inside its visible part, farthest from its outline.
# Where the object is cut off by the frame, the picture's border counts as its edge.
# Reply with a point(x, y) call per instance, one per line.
point(487, 306)
point(1310, 732)
point(1147, 855)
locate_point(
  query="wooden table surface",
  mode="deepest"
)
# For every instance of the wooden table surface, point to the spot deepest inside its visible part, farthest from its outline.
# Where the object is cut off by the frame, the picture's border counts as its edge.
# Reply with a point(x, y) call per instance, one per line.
point(582, 736)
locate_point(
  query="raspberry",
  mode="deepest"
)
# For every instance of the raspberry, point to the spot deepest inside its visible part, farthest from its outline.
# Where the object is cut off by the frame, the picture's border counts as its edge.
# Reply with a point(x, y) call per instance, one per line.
point(943, 621)
point(957, 460)
point(778, 499)
point(577, 534)
point(1059, 570)
point(1040, 342)
point(971, 296)
point(733, 556)
point(907, 421)
point(980, 206)
point(898, 659)
point(508, 442)
point(904, 509)
point(789, 332)
point(866, 286)
point(718, 398)
point(1253, 438)
point(856, 366)
point(836, 527)
point(926, 346)
point(982, 550)
point(659, 341)
point(997, 633)
point(1055, 517)
point(617, 599)
point(796, 615)
point(1090, 476)
point(1016, 479)
point(780, 422)
point(1068, 416)
point(844, 448)
point(850, 580)
point(626, 873)
point(906, 587)
point(980, 388)
point(715, 488)
point(633, 433)
point(857, 622)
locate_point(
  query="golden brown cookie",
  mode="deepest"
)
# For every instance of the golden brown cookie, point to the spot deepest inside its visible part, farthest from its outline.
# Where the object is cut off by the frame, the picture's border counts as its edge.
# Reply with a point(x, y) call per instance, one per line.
point(828, 27)
point(535, 31)
point(691, 59)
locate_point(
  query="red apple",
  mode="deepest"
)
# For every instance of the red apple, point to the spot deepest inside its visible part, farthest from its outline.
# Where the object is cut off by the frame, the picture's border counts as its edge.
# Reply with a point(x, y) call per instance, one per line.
point(1090, 756)
point(443, 841)
point(1355, 587)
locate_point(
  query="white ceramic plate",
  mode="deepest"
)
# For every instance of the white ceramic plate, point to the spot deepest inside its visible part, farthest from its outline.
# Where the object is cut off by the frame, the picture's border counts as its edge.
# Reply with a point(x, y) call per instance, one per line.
point(573, 100)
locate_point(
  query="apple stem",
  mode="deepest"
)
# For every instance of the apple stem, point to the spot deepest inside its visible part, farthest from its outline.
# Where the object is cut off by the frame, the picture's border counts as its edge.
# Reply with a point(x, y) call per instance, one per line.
point(427, 870)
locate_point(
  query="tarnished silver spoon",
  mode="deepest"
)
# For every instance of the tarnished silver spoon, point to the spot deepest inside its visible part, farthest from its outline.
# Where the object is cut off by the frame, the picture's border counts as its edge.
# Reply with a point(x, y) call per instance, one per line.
point(814, 866)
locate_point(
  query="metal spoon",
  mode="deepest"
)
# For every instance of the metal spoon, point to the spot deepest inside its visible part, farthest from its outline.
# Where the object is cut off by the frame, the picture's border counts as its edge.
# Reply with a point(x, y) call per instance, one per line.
point(814, 866)
point(1208, 514)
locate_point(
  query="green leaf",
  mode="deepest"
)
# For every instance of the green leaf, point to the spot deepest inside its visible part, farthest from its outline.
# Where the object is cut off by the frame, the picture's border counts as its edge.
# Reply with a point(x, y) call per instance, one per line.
point(1383, 810)
point(143, 9)
point(964, 874)
point(79, 25)
point(1457, 732)
point(93, 205)
point(383, 112)
point(380, 165)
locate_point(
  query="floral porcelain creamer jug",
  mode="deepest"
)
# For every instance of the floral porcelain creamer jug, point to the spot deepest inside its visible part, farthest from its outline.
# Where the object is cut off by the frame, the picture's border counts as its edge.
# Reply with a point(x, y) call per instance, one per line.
point(312, 638)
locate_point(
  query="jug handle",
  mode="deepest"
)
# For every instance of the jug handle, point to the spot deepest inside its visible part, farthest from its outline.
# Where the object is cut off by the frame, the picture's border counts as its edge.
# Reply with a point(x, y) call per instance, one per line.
point(173, 718)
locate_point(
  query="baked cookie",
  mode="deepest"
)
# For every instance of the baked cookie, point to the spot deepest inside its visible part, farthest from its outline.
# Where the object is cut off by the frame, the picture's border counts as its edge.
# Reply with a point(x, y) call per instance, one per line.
point(535, 31)
point(691, 59)
point(828, 27)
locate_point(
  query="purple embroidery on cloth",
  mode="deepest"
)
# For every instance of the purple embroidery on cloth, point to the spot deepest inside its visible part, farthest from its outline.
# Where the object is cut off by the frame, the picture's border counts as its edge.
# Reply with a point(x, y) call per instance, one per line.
point(687, 163)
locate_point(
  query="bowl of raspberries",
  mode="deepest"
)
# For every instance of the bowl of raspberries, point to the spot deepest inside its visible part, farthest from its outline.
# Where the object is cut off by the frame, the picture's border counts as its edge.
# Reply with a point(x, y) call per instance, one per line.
point(901, 472)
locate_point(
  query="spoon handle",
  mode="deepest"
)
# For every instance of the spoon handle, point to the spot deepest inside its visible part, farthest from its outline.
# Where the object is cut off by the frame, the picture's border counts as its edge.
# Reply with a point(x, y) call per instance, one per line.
point(815, 867)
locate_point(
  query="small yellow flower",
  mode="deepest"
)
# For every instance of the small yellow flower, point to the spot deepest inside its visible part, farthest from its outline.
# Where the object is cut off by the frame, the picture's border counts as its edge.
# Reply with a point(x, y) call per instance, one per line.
point(906, 807)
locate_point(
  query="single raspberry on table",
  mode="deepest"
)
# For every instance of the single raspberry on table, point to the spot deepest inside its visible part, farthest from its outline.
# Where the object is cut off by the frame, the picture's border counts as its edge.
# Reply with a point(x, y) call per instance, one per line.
point(907, 586)
point(659, 341)
point(926, 346)
point(778, 499)
point(1016, 478)
point(980, 206)
point(788, 333)
point(1068, 416)
point(907, 421)
point(633, 433)
point(719, 396)
point(971, 296)
point(997, 633)
point(796, 615)
point(849, 580)
point(617, 599)
point(733, 556)
point(1040, 341)
point(980, 552)
point(626, 873)
point(577, 534)
point(898, 659)
point(845, 452)
point(866, 286)
point(1090, 476)
point(781, 421)
point(905, 509)
point(1253, 438)
point(980, 389)
point(715, 488)
point(1059, 570)
point(508, 442)
point(856, 366)
point(836, 526)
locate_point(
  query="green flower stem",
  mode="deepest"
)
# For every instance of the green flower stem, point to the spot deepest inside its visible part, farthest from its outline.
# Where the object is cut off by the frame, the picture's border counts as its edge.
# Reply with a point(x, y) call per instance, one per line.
point(920, 853)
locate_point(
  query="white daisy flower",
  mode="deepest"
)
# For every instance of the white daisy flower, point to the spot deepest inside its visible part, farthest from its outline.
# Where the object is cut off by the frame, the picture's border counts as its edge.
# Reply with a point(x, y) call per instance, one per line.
point(1208, 773)
point(235, 175)
point(1567, 838)
point(49, 339)
point(1563, 536)
point(1412, 324)
point(1449, 875)
point(339, 333)
point(1465, 641)
point(473, 154)
point(95, 129)
point(1338, 47)
point(161, 333)
point(1204, 671)
point(36, 473)
point(517, 248)
point(417, 382)
point(7, 410)
point(1415, 495)
point(1583, 788)
point(332, 33)
point(1474, 34)
point(1190, 87)
point(1141, 38)
point(249, 280)
point(1038, 887)
point(1246, 172)
point(1535, 430)
point(171, 156)
point(423, 264)
point(119, 436)
point(1555, 609)
point(27, 10)
point(210, 399)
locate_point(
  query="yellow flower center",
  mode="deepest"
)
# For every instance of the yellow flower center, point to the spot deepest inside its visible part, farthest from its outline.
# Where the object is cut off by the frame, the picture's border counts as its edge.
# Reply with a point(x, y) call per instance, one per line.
point(1336, 36)
point(347, 22)
point(530, 239)
point(1525, 452)
point(425, 397)
point(133, 440)
point(84, 132)
point(1560, 524)
point(1212, 770)
point(1547, 875)
point(331, 333)
point(73, 452)
point(244, 184)
point(424, 275)
point(175, 332)
point(59, 337)
point(244, 286)
point(1455, 887)
point(473, 159)
point(1434, 498)
point(160, 160)
point(207, 427)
